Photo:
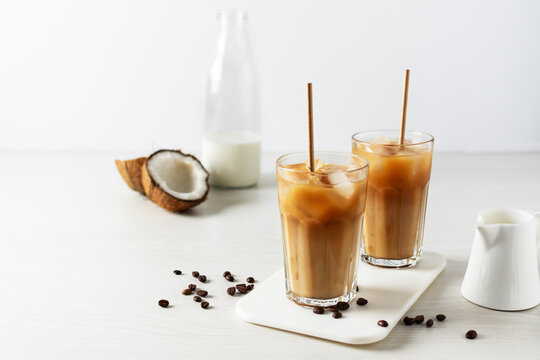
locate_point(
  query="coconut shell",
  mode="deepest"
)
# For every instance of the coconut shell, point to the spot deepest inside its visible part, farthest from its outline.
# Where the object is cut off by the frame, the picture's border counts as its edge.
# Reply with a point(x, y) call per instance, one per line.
point(130, 170)
point(158, 195)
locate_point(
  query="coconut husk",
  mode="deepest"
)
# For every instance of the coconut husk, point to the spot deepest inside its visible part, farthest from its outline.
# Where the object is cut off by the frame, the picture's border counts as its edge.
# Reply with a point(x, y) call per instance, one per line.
point(130, 170)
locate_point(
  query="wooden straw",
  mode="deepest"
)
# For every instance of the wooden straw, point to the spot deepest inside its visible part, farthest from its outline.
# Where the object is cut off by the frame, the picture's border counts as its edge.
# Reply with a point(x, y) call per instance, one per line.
point(310, 128)
point(404, 108)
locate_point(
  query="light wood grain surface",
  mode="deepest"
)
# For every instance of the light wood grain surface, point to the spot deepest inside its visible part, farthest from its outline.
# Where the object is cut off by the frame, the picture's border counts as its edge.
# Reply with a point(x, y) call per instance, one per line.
point(84, 260)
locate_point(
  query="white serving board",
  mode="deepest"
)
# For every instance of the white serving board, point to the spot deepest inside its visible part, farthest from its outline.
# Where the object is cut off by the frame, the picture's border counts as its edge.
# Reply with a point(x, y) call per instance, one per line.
point(390, 293)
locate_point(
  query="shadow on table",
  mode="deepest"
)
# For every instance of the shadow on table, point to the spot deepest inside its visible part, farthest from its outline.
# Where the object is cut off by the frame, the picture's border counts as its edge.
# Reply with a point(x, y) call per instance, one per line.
point(220, 199)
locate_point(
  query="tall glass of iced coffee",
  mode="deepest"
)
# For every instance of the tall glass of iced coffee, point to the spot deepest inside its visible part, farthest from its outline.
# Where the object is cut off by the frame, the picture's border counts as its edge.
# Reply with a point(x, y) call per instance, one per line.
point(398, 185)
point(321, 216)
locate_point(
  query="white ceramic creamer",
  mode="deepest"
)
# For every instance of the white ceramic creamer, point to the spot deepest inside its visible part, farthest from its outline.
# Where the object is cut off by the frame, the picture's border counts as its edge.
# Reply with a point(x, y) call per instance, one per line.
point(502, 273)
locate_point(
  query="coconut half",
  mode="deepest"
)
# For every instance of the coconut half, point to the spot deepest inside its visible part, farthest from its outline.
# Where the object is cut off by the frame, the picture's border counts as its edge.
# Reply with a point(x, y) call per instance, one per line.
point(174, 180)
point(130, 170)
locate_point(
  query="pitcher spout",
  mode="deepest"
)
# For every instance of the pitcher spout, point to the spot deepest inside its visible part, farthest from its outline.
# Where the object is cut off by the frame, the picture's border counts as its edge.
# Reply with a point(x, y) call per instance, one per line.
point(489, 234)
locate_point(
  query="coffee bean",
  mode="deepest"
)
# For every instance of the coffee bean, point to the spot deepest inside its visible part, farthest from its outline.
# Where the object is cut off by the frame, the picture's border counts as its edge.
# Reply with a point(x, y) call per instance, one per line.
point(408, 321)
point(177, 272)
point(419, 319)
point(318, 310)
point(250, 280)
point(195, 274)
point(242, 288)
point(229, 278)
point(337, 315)
point(192, 287)
point(471, 334)
point(204, 304)
point(197, 298)
point(355, 287)
point(231, 290)
point(382, 323)
point(332, 308)
point(429, 323)
point(342, 305)
point(361, 301)
point(186, 292)
point(202, 278)
point(250, 287)
point(226, 273)
point(440, 317)
point(163, 303)
point(202, 293)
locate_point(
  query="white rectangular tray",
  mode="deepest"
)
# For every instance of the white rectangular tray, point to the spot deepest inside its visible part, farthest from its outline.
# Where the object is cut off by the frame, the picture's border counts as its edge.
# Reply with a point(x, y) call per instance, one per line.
point(390, 294)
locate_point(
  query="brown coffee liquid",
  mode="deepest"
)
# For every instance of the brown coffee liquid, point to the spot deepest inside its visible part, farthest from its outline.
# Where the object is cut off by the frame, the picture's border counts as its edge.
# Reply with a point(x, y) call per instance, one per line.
point(398, 182)
point(321, 223)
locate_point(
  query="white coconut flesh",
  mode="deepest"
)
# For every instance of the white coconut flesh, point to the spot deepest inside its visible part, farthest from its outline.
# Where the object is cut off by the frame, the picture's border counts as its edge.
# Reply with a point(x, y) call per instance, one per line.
point(178, 175)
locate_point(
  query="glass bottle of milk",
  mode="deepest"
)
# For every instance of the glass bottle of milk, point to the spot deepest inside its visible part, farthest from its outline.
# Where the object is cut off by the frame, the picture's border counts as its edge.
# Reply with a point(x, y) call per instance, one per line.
point(231, 148)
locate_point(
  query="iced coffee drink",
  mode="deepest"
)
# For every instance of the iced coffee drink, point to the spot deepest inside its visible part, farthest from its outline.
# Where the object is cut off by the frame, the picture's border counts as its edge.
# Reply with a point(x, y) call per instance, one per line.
point(321, 216)
point(398, 184)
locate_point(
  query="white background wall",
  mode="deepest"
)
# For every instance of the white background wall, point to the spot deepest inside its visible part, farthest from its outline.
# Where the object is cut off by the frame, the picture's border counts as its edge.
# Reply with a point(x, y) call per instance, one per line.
point(113, 74)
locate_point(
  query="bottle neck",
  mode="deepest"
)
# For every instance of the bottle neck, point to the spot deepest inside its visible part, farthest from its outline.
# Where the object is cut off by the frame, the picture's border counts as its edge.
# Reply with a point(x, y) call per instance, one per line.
point(233, 31)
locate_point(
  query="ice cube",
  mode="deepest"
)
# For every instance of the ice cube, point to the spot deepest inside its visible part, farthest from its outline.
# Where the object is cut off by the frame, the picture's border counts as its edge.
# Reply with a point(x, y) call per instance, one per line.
point(383, 145)
point(335, 178)
point(297, 167)
point(345, 189)
point(318, 165)
point(296, 173)
point(381, 140)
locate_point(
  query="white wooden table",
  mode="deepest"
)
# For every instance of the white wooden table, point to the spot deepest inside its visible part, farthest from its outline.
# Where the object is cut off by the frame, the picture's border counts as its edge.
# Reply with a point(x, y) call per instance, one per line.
point(84, 260)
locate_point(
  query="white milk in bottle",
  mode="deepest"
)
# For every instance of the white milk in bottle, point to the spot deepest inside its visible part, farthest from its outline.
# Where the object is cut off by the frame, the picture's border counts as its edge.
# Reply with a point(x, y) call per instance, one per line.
point(232, 158)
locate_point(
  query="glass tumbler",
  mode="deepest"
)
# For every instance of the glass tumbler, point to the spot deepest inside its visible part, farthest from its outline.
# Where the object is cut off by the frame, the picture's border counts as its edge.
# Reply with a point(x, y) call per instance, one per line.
point(321, 217)
point(397, 192)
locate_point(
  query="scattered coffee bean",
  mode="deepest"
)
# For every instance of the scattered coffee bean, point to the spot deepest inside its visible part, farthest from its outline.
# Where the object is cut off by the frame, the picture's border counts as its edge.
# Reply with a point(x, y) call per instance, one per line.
point(471, 334)
point(318, 310)
point(429, 323)
point(361, 301)
point(332, 308)
point(242, 288)
point(419, 319)
point(355, 287)
point(250, 280)
point(197, 298)
point(250, 287)
point(192, 287)
point(177, 272)
point(195, 274)
point(202, 293)
point(382, 323)
point(231, 290)
point(186, 292)
point(440, 317)
point(342, 305)
point(163, 303)
point(408, 321)
point(226, 273)
point(204, 304)
point(202, 278)
point(229, 278)
point(337, 315)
